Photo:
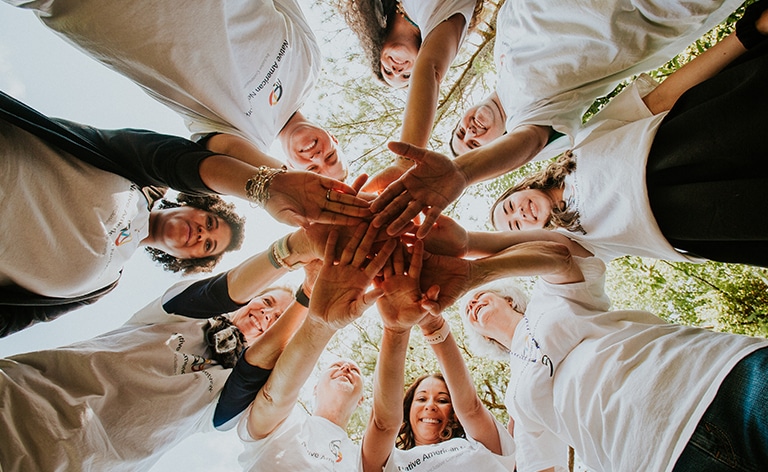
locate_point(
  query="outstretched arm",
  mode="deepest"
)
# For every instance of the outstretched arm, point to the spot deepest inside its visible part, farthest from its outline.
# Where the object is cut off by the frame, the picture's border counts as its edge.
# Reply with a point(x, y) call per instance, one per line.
point(339, 297)
point(400, 309)
point(435, 55)
point(705, 66)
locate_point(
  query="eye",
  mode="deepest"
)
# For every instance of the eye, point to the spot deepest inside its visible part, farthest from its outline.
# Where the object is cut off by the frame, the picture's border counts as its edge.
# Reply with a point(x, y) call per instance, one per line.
point(209, 223)
point(208, 245)
point(268, 301)
point(386, 71)
point(406, 76)
point(312, 169)
point(517, 225)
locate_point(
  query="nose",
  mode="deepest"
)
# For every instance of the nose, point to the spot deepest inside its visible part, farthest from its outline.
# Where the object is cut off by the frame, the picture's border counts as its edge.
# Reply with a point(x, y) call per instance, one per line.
point(202, 233)
point(430, 404)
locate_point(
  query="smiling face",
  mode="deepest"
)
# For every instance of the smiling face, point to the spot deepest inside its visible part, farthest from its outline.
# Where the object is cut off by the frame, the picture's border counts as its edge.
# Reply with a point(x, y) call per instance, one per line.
point(186, 232)
point(260, 313)
point(480, 125)
point(311, 148)
point(523, 210)
point(342, 377)
point(397, 59)
point(489, 312)
point(431, 411)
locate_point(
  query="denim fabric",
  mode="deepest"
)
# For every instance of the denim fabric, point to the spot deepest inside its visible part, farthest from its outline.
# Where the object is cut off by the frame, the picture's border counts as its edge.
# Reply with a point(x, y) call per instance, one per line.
point(733, 433)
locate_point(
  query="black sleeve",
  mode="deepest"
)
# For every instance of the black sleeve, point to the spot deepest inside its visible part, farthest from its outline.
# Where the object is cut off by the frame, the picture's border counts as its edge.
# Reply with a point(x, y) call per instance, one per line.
point(20, 308)
point(239, 391)
point(148, 158)
point(143, 157)
point(203, 299)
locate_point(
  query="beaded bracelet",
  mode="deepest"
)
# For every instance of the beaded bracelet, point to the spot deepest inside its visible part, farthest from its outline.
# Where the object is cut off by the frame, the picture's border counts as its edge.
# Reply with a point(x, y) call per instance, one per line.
point(440, 335)
point(280, 252)
point(257, 187)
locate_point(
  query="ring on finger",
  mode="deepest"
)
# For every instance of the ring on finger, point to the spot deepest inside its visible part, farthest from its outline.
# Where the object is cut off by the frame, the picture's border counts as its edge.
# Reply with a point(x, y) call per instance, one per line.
point(328, 195)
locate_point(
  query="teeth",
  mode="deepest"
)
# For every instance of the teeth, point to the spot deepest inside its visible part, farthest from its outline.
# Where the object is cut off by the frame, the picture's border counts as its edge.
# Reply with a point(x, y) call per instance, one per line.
point(430, 420)
point(314, 143)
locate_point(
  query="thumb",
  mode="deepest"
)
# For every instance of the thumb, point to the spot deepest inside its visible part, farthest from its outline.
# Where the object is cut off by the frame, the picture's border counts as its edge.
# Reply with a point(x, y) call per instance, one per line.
point(359, 182)
point(406, 150)
point(370, 297)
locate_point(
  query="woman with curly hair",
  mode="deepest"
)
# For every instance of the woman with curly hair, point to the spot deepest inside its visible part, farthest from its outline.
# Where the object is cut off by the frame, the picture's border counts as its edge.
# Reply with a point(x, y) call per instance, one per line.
point(411, 43)
point(440, 422)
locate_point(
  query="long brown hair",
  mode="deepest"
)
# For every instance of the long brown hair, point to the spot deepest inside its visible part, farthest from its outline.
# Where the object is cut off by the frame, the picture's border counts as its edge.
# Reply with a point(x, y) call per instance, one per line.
point(405, 438)
point(548, 178)
point(371, 21)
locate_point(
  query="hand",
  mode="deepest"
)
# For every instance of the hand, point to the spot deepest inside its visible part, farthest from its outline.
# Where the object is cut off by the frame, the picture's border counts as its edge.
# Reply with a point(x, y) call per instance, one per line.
point(316, 236)
point(340, 296)
point(431, 185)
point(401, 305)
point(311, 272)
point(382, 179)
point(299, 198)
point(447, 238)
point(444, 280)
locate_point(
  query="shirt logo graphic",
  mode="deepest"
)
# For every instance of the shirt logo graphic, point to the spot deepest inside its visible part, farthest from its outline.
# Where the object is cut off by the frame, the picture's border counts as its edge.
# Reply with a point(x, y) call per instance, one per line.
point(335, 447)
point(124, 236)
point(277, 92)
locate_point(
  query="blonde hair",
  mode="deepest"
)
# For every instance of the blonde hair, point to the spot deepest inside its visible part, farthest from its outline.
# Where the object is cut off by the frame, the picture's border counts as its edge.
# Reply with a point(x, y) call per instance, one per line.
point(482, 345)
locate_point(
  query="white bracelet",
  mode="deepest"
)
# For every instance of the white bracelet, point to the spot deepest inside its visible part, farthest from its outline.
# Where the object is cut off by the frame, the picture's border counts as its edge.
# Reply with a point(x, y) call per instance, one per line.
point(440, 335)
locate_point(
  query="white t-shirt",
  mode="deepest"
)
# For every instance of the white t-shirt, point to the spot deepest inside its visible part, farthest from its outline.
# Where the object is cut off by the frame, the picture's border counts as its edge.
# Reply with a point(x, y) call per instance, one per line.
point(608, 185)
point(69, 226)
point(116, 402)
point(613, 384)
point(302, 443)
point(555, 57)
point(455, 455)
point(241, 67)
point(430, 13)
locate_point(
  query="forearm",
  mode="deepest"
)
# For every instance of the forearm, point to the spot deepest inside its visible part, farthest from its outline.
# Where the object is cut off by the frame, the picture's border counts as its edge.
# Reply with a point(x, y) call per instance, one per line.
point(435, 56)
point(294, 366)
point(257, 272)
point(552, 261)
point(387, 412)
point(267, 348)
point(476, 419)
point(241, 149)
point(485, 243)
point(712, 61)
point(504, 154)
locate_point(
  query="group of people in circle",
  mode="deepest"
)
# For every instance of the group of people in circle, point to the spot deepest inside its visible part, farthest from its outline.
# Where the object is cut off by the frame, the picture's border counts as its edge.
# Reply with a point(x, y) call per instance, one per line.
point(668, 170)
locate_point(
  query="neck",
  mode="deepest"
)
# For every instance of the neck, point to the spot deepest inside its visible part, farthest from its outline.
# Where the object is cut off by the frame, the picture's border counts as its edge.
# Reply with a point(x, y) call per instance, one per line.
point(337, 414)
point(402, 29)
point(494, 99)
point(294, 121)
point(154, 222)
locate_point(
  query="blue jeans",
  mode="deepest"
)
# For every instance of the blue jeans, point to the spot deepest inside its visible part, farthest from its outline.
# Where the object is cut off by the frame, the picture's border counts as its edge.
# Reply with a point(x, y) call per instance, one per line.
point(733, 433)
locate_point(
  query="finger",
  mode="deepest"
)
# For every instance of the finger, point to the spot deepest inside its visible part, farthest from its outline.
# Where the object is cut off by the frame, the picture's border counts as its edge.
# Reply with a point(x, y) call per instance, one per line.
point(430, 217)
point(291, 218)
point(402, 222)
point(381, 258)
point(364, 248)
point(407, 150)
point(349, 250)
point(346, 205)
point(329, 254)
point(370, 297)
point(414, 271)
point(330, 218)
point(431, 307)
point(398, 262)
point(328, 183)
point(390, 193)
point(343, 200)
point(392, 210)
point(359, 182)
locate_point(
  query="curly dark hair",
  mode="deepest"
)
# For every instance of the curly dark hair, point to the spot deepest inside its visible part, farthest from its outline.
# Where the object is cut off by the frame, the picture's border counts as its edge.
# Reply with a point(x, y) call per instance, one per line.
point(212, 204)
point(552, 176)
point(371, 21)
point(405, 439)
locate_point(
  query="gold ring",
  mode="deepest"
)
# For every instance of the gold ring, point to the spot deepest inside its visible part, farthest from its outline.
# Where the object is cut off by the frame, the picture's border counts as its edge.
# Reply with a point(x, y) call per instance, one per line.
point(328, 195)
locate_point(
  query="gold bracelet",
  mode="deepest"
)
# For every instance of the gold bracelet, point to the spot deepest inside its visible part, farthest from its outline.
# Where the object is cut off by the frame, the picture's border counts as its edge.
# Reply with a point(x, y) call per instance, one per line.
point(257, 187)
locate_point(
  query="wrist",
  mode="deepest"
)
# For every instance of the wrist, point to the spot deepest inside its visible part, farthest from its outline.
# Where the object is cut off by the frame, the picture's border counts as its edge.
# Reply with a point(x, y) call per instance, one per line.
point(257, 188)
point(438, 336)
point(302, 297)
point(280, 255)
